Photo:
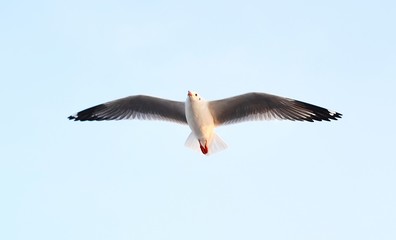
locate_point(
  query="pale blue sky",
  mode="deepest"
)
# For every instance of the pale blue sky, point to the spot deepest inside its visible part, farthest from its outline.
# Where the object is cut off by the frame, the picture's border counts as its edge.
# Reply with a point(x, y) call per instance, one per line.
point(135, 179)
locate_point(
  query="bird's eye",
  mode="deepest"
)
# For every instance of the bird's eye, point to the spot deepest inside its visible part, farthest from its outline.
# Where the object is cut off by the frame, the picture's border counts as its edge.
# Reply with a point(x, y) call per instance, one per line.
point(196, 94)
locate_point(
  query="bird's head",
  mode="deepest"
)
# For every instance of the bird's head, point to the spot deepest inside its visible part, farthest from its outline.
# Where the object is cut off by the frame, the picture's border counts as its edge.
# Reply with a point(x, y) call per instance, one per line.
point(193, 96)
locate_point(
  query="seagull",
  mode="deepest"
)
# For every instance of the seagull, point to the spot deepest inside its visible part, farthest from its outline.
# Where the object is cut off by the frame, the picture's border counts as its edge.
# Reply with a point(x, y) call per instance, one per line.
point(204, 116)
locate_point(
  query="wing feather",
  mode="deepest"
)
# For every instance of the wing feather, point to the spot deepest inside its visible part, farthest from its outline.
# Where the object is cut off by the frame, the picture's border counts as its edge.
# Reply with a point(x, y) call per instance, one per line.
point(134, 107)
point(263, 106)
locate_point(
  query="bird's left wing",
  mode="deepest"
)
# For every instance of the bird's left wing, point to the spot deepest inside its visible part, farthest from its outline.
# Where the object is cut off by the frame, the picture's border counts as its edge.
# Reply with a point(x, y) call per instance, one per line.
point(134, 107)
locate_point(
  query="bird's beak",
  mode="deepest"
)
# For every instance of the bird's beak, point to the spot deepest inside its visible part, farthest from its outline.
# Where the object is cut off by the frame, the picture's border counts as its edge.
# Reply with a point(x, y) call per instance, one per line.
point(189, 94)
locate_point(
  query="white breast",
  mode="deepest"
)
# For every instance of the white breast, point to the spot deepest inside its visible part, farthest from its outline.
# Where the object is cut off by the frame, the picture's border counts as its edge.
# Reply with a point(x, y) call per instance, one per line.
point(199, 119)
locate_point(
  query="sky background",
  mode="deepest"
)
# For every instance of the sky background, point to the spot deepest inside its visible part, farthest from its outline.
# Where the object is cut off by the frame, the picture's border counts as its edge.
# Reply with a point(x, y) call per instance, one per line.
point(135, 179)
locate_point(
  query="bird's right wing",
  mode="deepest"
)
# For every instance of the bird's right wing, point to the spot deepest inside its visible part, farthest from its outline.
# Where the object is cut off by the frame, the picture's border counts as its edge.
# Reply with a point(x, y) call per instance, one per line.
point(263, 106)
point(134, 107)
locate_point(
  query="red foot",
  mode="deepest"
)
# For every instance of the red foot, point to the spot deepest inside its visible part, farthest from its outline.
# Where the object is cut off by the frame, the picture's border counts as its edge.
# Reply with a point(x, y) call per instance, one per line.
point(204, 149)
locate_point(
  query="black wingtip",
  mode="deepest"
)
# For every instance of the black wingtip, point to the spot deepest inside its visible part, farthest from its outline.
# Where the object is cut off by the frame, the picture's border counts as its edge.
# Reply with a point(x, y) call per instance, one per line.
point(335, 116)
point(319, 113)
point(89, 114)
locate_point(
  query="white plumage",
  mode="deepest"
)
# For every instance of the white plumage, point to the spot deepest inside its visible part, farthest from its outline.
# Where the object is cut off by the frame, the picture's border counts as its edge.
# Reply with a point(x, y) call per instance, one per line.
point(204, 116)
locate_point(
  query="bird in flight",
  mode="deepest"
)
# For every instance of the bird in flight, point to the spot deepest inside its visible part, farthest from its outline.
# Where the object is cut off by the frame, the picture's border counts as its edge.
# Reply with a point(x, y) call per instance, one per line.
point(204, 116)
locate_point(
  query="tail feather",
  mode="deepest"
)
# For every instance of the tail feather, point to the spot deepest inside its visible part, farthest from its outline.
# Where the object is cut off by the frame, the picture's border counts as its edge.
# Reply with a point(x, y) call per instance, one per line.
point(192, 142)
point(215, 145)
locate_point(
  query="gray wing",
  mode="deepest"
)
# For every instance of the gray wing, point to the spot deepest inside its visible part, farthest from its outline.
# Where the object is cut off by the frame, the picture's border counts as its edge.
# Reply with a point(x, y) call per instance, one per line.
point(262, 106)
point(134, 107)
